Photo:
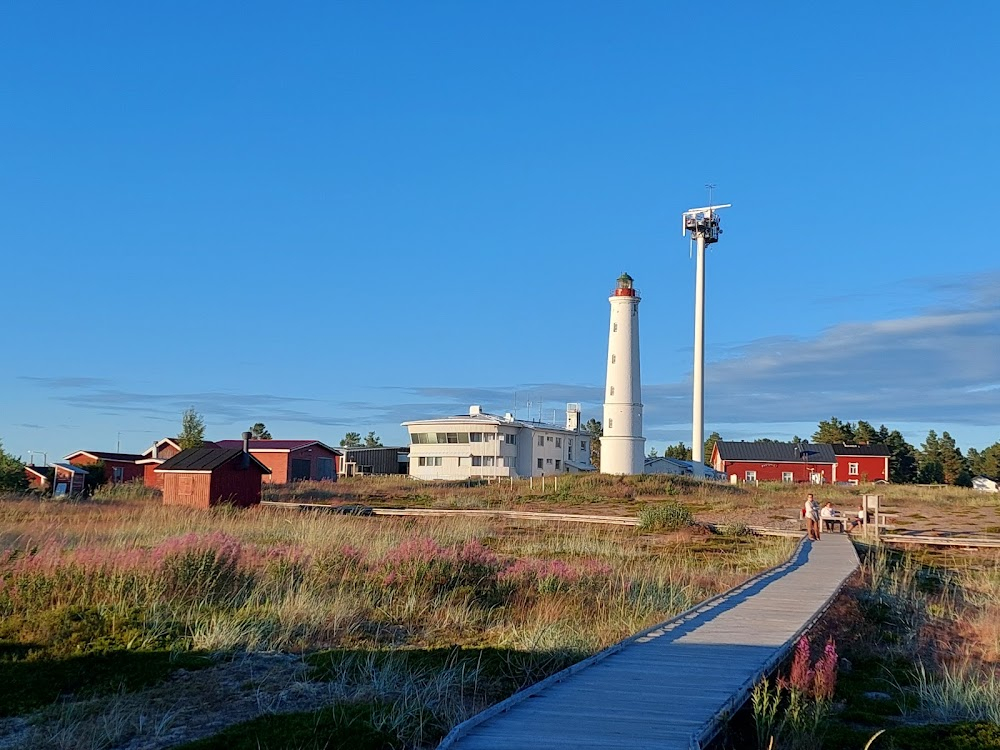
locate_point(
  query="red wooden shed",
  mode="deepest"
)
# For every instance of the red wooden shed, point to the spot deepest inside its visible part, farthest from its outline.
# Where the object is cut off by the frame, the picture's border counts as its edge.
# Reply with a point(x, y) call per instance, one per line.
point(159, 452)
point(292, 460)
point(118, 467)
point(205, 477)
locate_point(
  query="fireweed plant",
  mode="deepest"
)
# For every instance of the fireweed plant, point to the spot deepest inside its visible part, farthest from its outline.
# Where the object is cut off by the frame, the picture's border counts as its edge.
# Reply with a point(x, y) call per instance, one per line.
point(789, 712)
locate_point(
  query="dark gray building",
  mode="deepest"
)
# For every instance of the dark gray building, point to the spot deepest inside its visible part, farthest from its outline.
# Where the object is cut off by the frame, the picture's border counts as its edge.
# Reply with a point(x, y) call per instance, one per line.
point(381, 460)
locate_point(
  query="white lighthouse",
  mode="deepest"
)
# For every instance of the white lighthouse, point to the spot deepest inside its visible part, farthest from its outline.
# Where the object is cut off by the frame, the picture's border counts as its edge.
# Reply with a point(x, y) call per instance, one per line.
point(622, 445)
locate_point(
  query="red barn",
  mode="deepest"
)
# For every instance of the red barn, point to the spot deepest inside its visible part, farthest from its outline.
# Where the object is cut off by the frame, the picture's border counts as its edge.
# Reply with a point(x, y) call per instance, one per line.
point(206, 477)
point(118, 467)
point(775, 462)
point(156, 454)
point(860, 464)
point(291, 460)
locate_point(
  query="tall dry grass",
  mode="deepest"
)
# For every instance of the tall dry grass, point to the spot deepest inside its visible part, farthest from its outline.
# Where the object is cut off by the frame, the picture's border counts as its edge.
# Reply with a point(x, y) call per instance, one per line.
point(144, 576)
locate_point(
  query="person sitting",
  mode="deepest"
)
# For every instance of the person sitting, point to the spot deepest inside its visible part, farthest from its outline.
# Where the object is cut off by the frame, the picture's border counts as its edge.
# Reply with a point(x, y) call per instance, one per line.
point(830, 517)
point(859, 520)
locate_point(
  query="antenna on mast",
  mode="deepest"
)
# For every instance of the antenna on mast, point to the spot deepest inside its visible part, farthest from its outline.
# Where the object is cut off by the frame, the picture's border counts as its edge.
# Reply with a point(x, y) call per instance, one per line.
point(703, 224)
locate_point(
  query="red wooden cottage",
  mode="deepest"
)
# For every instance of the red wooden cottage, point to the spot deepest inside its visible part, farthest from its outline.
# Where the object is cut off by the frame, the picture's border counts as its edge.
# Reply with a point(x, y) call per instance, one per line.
point(860, 464)
point(206, 477)
point(775, 462)
point(156, 454)
point(39, 477)
point(292, 460)
point(118, 467)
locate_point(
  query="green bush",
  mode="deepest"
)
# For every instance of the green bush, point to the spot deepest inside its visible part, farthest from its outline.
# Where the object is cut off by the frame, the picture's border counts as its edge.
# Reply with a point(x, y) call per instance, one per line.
point(667, 517)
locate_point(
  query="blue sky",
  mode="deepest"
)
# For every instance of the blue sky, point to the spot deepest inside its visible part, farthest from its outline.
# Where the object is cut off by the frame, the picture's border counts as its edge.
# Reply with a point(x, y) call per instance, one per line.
point(334, 217)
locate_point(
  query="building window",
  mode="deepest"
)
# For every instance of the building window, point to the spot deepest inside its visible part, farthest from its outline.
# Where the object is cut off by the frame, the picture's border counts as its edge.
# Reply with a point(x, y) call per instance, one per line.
point(429, 461)
point(118, 474)
point(487, 460)
point(613, 357)
point(558, 442)
point(558, 464)
point(787, 476)
point(475, 437)
point(583, 445)
point(509, 462)
point(539, 463)
point(549, 438)
point(852, 469)
point(489, 437)
point(611, 391)
point(510, 439)
point(853, 482)
point(569, 450)
point(548, 461)
point(477, 460)
point(751, 476)
point(541, 441)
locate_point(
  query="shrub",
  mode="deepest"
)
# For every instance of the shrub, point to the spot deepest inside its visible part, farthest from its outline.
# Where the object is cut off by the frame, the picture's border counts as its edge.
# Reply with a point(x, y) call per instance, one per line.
point(666, 517)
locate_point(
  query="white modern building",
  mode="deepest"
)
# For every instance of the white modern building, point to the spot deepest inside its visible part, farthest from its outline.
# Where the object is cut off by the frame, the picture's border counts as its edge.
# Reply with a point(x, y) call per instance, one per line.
point(622, 445)
point(478, 444)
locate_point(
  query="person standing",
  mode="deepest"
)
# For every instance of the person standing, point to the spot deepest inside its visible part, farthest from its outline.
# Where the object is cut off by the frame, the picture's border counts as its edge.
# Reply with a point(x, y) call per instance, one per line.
point(812, 517)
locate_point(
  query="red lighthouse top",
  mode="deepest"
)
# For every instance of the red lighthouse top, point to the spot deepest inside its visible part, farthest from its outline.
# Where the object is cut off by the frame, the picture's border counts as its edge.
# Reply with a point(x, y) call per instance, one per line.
point(624, 286)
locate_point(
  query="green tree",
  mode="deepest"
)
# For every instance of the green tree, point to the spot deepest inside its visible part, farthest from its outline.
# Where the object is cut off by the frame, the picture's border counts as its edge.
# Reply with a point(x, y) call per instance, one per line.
point(931, 472)
point(260, 432)
point(710, 446)
point(192, 433)
point(903, 463)
point(372, 440)
point(834, 431)
point(679, 451)
point(595, 430)
point(351, 440)
point(953, 462)
point(985, 463)
point(865, 434)
point(12, 476)
point(653, 453)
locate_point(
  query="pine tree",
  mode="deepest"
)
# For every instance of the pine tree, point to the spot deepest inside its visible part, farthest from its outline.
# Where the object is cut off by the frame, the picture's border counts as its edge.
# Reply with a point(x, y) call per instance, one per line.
point(259, 432)
point(679, 451)
point(372, 440)
point(710, 446)
point(953, 462)
point(834, 431)
point(903, 464)
point(865, 434)
point(351, 440)
point(653, 453)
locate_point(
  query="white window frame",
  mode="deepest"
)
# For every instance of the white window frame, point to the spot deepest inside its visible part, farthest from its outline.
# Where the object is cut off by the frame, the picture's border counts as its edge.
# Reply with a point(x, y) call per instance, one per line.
point(750, 476)
point(852, 469)
point(787, 476)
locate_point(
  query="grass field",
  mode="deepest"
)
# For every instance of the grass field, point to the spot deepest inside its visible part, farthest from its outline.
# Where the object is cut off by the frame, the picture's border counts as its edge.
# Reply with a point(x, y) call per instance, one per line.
point(126, 621)
point(126, 624)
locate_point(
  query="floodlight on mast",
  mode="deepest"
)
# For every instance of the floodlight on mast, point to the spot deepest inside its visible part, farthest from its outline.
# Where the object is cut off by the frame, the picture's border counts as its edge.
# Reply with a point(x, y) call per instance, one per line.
point(703, 224)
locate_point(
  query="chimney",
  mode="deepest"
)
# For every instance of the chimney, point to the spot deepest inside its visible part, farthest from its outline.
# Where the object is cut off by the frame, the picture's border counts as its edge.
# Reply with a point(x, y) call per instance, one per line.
point(246, 449)
point(156, 449)
point(475, 410)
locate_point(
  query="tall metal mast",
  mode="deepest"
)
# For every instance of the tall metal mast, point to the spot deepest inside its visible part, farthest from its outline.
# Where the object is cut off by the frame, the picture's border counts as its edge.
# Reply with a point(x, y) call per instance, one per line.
point(703, 224)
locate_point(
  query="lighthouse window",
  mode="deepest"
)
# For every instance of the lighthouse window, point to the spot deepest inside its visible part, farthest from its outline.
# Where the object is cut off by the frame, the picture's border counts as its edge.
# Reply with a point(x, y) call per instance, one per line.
point(615, 328)
point(611, 391)
point(611, 423)
point(612, 359)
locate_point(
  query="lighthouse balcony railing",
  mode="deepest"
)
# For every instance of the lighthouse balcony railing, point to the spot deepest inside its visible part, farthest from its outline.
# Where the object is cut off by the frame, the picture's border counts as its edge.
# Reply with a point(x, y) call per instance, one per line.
point(625, 292)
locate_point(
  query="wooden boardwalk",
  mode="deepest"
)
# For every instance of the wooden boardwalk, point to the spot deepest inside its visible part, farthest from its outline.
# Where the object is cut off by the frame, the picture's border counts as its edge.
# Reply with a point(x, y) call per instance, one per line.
point(672, 686)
